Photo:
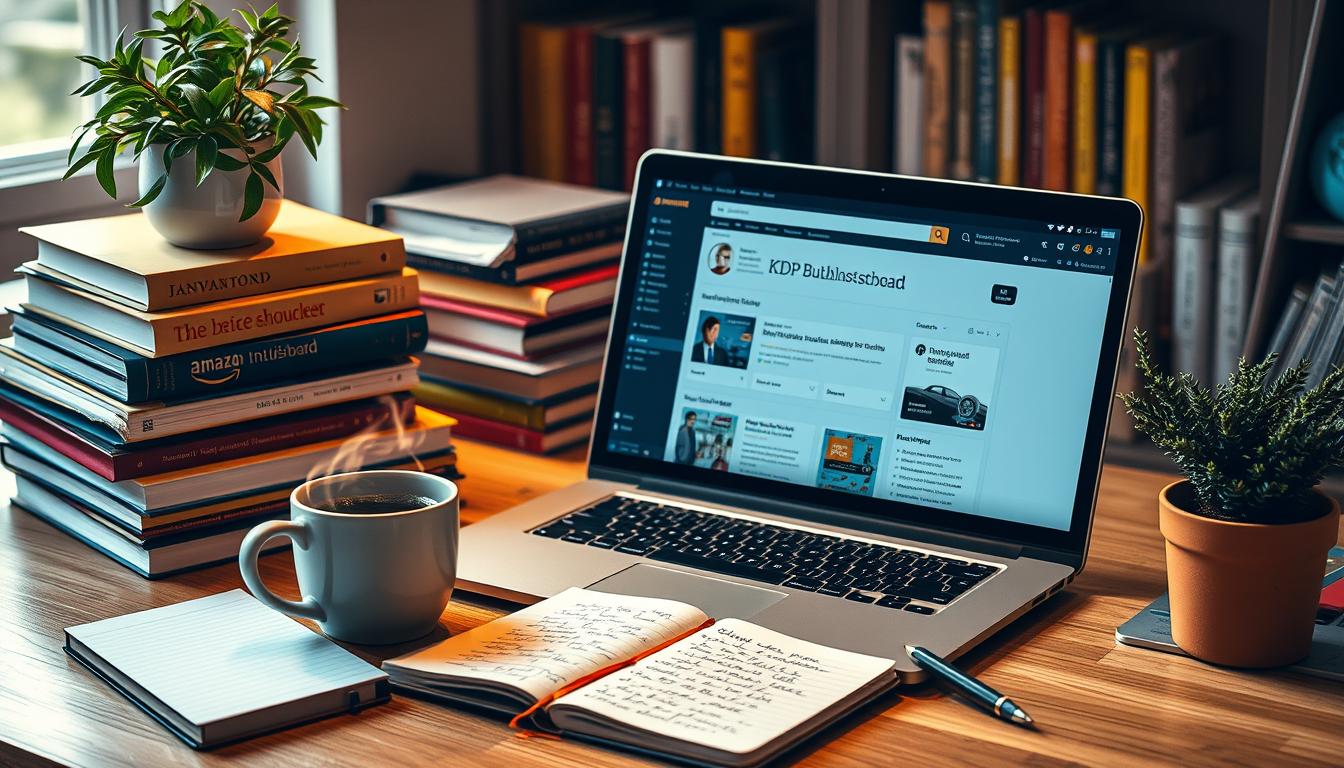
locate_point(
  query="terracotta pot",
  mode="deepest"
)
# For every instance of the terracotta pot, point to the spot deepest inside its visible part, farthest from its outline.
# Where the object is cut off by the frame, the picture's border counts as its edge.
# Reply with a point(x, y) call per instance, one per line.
point(1244, 594)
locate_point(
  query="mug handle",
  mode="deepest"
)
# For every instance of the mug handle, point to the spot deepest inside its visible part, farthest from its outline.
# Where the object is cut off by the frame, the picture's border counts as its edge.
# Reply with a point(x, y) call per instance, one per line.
point(250, 550)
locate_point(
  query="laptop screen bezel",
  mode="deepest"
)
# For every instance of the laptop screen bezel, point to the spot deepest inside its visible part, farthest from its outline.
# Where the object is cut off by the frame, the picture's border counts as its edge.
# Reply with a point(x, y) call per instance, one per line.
point(864, 186)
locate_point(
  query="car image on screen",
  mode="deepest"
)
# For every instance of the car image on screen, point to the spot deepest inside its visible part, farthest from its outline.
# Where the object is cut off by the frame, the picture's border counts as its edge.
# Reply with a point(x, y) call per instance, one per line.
point(938, 404)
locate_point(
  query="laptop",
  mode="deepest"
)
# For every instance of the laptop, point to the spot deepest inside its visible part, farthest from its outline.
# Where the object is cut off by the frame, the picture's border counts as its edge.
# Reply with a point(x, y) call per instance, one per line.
point(861, 409)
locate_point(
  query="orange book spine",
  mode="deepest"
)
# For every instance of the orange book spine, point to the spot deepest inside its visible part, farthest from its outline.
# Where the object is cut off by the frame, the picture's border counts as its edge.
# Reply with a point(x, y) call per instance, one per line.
point(554, 102)
point(1058, 86)
point(739, 92)
point(224, 281)
point(1137, 137)
point(937, 85)
point(1085, 113)
point(1010, 96)
point(211, 325)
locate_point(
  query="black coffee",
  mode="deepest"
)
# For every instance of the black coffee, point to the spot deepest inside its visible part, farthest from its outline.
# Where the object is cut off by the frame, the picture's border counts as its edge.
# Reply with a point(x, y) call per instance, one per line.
point(375, 503)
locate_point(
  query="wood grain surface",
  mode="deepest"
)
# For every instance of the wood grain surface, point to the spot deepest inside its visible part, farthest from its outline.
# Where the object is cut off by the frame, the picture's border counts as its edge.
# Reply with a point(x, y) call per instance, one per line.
point(1097, 703)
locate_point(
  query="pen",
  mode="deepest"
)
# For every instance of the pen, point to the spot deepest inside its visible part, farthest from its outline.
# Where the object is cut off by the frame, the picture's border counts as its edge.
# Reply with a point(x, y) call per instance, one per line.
point(1002, 707)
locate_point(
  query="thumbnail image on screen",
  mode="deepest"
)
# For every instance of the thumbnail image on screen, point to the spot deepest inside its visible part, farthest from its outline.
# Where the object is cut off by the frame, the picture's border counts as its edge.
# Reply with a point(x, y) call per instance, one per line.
point(848, 462)
point(722, 339)
point(704, 439)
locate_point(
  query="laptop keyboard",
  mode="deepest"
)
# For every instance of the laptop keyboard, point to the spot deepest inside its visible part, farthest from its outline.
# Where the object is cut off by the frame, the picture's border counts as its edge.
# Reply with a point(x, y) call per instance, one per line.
point(889, 576)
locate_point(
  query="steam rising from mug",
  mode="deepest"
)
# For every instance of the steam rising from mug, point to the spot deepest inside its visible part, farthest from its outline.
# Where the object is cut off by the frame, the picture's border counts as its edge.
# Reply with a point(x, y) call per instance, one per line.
point(385, 438)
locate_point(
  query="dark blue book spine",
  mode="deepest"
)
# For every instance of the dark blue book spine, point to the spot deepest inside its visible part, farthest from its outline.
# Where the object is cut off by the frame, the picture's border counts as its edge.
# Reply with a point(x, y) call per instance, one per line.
point(985, 157)
point(608, 88)
point(1110, 114)
point(220, 370)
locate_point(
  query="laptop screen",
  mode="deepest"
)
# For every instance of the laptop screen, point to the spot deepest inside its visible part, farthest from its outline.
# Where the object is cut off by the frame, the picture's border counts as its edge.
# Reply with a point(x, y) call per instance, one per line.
point(936, 358)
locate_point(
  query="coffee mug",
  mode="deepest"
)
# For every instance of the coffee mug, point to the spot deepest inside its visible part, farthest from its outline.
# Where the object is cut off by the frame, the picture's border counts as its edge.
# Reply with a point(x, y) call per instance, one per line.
point(367, 575)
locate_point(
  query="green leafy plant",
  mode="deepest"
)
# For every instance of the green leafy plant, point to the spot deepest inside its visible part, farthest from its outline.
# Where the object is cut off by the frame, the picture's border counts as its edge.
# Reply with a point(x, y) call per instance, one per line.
point(1252, 447)
point(216, 87)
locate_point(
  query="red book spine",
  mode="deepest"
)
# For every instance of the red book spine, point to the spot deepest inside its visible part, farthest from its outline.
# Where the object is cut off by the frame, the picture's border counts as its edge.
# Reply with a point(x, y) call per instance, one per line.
point(579, 167)
point(60, 438)
point(488, 431)
point(1033, 90)
point(638, 134)
point(1058, 58)
point(278, 434)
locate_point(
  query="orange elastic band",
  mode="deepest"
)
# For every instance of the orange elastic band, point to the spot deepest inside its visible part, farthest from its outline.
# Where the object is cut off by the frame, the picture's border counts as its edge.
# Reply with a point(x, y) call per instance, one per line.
point(547, 700)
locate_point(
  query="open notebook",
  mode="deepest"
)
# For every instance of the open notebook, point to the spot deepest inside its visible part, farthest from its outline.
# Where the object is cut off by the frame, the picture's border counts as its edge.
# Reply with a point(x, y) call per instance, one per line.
point(647, 674)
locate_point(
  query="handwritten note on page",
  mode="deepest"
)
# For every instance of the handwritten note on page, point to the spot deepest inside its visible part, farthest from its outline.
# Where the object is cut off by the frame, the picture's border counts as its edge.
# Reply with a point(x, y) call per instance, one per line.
point(546, 646)
point(733, 686)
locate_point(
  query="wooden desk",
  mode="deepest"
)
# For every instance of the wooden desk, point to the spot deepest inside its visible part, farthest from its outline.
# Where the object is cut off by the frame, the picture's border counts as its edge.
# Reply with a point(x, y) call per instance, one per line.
point(1097, 703)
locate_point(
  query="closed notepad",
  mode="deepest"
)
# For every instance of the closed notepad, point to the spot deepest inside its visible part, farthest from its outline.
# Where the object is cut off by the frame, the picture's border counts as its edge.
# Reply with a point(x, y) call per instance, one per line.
point(224, 667)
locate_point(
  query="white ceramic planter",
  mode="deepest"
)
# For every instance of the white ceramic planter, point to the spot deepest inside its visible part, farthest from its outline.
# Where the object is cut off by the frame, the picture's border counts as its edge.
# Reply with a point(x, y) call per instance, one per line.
point(206, 216)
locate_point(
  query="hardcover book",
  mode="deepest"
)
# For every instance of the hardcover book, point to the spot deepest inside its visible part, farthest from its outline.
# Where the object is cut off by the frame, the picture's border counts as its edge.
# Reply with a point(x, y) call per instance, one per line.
point(513, 333)
point(542, 99)
point(937, 86)
point(985, 151)
point(1238, 225)
point(545, 299)
point(136, 267)
point(673, 91)
point(653, 675)
point(529, 414)
point(146, 421)
point(1010, 100)
point(1193, 273)
point(1033, 97)
point(908, 136)
point(553, 438)
point(175, 331)
point(963, 89)
point(744, 45)
point(85, 443)
point(134, 378)
point(522, 379)
point(1110, 109)
point(489, 222)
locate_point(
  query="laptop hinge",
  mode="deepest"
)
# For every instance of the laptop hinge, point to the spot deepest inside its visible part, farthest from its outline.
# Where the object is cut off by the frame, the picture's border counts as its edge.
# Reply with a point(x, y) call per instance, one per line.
point(816, 514)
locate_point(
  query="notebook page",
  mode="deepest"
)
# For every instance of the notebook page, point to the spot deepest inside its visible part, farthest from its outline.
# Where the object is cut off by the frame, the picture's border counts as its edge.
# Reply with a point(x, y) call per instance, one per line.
point(223, 655)
point(546, 646)
point(733, 686)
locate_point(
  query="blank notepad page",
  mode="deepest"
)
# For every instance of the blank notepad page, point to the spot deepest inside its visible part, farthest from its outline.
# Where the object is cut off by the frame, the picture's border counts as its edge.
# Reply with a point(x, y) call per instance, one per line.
point(221, 656)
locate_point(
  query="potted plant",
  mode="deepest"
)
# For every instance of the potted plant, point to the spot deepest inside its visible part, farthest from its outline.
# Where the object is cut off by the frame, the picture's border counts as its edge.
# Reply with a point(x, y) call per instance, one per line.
point(207, 120)
point(1246, 531)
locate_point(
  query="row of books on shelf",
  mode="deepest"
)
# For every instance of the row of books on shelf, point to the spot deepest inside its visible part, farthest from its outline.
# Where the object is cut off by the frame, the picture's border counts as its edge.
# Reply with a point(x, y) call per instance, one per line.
point(517, 281)
point(158, 402)
point(595, 94)
point(1071, 97)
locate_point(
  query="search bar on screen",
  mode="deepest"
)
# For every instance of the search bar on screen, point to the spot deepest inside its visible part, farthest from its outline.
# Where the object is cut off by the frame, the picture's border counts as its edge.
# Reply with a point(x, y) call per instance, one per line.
point(789, 217)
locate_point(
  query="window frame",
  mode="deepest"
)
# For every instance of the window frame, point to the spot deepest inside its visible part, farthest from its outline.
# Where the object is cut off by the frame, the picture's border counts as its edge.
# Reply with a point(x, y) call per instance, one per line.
point(24, 173)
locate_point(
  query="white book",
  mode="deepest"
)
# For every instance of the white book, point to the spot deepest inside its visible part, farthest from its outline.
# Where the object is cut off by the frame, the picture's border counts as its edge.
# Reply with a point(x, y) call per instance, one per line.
point(648, 674)
point(1312, 318)
point(225, 667)
point(148, 421)
point(908, 135)
point(672, 60)
point(1193, 276)
point(1237, 264)
point(1288, 321)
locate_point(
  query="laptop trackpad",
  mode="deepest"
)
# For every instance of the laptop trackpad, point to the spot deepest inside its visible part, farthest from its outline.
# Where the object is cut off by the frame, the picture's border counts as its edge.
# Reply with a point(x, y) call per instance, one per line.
point(718, 598)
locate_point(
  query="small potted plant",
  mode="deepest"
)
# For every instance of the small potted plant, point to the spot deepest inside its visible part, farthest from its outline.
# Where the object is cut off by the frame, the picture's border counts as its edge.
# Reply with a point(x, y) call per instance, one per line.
point(207, 120)
point(1247, 531)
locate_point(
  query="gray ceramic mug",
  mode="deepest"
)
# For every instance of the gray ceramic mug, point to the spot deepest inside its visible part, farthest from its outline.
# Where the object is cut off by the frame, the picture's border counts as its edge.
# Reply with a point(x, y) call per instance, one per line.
point(365, 578)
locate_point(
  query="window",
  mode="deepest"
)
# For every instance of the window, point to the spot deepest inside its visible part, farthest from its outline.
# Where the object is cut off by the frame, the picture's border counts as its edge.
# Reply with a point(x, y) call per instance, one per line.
point(39, 40)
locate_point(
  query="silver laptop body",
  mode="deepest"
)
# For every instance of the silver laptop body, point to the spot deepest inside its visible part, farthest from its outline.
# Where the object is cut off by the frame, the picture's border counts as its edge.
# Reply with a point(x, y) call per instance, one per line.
point(884, 426)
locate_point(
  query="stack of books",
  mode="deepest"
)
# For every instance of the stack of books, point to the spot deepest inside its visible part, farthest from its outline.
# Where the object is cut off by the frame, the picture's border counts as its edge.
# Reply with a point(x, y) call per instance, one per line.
point(517, 281)
point(159, 402)
point(594, 94)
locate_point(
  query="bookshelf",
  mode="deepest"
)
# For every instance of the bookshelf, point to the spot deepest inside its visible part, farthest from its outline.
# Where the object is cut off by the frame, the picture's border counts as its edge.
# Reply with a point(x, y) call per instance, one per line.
point(1268, 107)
